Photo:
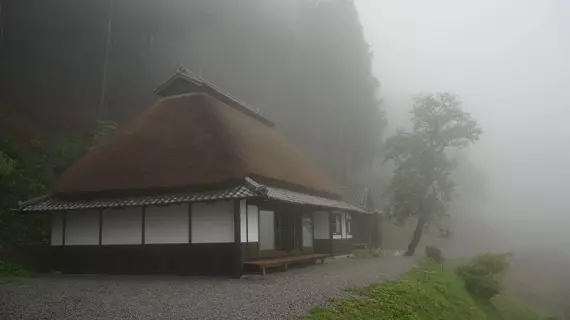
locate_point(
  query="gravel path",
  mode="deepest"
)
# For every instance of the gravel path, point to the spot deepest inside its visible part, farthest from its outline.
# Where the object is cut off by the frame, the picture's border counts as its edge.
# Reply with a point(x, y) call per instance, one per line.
point(276, 296)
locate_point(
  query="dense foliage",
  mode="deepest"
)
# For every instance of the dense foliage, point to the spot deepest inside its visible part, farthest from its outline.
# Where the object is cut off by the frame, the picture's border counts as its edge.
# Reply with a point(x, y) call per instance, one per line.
point(34, 167)
point(422, 186)
point(303, 63)
point(34, 164)
point(429, 292)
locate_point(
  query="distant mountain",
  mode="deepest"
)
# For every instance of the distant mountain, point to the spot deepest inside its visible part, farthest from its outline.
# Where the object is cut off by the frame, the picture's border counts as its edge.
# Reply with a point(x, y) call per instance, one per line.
point(304, 64)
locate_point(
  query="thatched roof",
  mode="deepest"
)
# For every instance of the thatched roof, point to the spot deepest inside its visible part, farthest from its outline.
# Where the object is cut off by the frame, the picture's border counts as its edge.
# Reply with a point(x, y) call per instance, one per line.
point(193, 141)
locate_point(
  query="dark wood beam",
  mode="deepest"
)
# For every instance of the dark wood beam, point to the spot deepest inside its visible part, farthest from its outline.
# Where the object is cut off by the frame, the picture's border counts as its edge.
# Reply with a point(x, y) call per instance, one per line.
point(51, 214)
point(237, 240)
point(100, 226)
point(64, 222)
point(189, 222)
point(143, 225)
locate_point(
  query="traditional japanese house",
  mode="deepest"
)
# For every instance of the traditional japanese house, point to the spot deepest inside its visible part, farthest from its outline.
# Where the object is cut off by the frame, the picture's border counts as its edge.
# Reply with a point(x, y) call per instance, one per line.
point(200, 183)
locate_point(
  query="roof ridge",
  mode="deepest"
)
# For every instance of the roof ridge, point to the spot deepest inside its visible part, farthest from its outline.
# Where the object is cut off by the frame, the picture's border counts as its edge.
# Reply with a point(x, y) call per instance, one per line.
point(255, 186)
point(216, 91)
point(32, 201)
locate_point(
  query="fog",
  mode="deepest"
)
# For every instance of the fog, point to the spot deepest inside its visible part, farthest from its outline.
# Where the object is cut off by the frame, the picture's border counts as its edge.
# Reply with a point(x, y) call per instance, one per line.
point(508, 61)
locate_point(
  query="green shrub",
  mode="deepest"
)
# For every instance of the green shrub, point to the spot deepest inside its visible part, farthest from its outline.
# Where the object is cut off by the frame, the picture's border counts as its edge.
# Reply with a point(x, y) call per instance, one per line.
point(10, 269)
point(435, 254)
point(493, 263)
point(483, 275)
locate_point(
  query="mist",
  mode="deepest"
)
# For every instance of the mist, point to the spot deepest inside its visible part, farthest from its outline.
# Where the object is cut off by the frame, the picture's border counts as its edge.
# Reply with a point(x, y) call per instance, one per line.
point(508, 62)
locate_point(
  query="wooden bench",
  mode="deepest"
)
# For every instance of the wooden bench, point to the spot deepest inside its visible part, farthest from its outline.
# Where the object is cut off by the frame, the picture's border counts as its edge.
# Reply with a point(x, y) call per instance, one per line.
point(285, 261)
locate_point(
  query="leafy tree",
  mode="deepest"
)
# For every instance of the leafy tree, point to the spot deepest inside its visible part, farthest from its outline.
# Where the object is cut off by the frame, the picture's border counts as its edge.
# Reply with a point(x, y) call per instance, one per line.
point(422, 186)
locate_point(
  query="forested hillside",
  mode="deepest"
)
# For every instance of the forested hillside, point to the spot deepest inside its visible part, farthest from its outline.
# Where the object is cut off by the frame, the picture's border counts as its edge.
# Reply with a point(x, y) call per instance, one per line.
point(304, 64)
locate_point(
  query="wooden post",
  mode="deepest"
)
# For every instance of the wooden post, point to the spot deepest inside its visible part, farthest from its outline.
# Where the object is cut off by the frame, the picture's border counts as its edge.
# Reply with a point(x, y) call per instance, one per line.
point(63, 227)
point(313, 231)
point(258, 232)
point(247, 255)
point(143, 224)
point(237, 240)
point(100, 226)
point(189, 222)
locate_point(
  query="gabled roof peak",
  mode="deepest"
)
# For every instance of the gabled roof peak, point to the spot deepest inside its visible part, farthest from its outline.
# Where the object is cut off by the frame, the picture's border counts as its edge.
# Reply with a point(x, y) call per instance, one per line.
point(185, 81)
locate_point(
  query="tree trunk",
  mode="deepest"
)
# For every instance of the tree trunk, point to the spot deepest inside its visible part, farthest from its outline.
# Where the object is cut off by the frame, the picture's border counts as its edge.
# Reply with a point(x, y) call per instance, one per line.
point(417, 235)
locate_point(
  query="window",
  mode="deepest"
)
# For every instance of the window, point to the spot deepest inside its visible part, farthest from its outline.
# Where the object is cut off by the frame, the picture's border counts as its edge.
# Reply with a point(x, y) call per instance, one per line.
point(266, 230)
point(336, 223)
point(348, 224)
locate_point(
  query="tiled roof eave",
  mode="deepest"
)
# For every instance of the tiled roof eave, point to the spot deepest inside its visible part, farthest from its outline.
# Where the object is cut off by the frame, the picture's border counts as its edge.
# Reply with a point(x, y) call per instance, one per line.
point(238, 192)
point(247, 190)
point(289, 196)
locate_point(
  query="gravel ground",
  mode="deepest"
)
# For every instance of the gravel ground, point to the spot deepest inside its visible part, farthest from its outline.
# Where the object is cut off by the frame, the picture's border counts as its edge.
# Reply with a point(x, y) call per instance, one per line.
point(280, 295)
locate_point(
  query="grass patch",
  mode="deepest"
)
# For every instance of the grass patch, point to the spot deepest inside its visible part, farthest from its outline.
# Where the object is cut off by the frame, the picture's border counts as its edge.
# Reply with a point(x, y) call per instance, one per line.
point(10, 270)
point(428, 292)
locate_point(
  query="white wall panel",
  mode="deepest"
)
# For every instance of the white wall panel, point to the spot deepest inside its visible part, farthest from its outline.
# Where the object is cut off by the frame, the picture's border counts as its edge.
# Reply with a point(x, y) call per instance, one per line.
point(253, 226)
point(56, 228)
point(82, 227)
point(122, 226)
point(212, 222)
point(322, 225)
point(243, 220)
point(167, 224)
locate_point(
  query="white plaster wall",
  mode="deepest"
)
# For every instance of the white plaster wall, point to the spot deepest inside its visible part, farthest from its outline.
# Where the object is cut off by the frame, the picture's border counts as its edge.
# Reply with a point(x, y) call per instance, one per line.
point(82, 227)
point(253, 223)
point(122, 226)
point(166, 224)
point(56, 228)
point(322, 225)
point(212, 222)
point(243, 220)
